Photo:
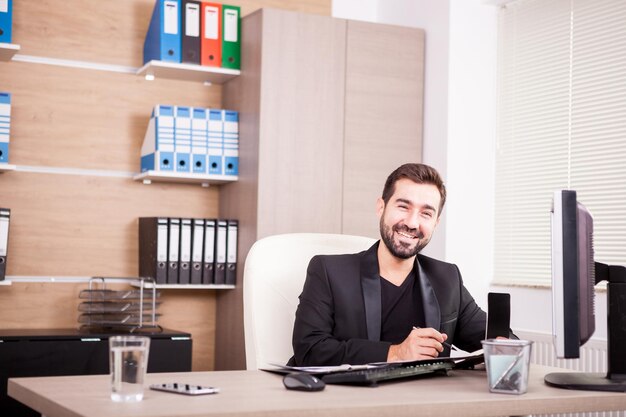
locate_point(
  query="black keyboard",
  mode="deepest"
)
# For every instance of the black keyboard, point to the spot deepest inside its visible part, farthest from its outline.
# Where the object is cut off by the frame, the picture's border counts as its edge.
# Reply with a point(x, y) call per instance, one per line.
point(374, 375)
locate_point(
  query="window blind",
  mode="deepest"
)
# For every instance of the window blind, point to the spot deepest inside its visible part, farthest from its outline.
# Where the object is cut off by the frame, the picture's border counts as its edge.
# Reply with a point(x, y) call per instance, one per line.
point(561, 123)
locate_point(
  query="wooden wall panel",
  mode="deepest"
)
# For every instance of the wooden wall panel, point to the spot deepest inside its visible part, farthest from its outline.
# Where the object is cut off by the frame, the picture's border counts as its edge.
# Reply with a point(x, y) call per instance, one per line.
point(110, 31)
point(384, 115)
point(84, 225)
point(97, 31)
point(39, 305)
point(69, 117)
point(193, 311)
point(71, 225)
point(301, 130)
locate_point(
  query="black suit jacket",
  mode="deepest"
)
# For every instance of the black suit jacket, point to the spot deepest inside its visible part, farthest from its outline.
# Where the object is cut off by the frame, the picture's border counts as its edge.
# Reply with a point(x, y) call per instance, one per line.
point(338, 319)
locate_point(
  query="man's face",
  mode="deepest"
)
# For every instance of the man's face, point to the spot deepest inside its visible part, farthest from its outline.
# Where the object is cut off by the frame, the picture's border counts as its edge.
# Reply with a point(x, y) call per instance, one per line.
point(409, 218)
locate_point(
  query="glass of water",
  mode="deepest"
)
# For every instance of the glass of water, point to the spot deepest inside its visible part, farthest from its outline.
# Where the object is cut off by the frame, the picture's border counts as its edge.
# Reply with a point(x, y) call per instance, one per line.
point(128, 362)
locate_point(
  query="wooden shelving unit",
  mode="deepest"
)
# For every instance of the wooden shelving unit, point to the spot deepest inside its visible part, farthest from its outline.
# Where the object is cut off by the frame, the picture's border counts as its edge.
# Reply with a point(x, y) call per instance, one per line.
point(164, 176)
point(187, 72)
point(6, 168)
point(187, 286)
point(7, 50)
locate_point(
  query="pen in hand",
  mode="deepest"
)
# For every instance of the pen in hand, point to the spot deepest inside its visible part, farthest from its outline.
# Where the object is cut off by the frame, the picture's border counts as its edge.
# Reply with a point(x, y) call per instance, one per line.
point(446, 344)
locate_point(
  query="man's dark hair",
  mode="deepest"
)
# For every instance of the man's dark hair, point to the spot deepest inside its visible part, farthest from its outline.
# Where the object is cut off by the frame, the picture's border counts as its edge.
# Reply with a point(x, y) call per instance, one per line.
point(418, 173)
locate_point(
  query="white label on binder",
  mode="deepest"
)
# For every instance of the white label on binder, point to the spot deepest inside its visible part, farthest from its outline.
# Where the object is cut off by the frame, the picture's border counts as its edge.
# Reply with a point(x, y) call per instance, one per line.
point(4, 235)
point(4, 6)
point(196, 252)
point(174, 234)
point(230, 25)
point(232, 244)
point(162, 242)
point(192, 20)
point(5, 109)
point(170, 17)
point(211, 22)
point(209, 242)
point(185, 240)
point(221, 243)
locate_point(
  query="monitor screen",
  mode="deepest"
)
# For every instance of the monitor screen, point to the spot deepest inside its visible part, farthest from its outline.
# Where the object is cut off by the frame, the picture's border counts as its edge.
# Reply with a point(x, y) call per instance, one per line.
point(574, 275)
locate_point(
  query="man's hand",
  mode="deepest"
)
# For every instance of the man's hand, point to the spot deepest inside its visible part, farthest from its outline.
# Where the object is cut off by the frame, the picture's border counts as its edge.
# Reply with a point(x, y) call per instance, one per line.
point(419, 344)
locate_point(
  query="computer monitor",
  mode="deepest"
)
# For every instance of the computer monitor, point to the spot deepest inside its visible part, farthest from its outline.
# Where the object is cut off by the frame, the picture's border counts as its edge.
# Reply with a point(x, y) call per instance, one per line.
point(574, 276)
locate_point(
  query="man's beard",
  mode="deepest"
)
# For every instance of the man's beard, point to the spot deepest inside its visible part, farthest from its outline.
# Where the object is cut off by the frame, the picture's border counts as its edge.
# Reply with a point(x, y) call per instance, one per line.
point(400, 249)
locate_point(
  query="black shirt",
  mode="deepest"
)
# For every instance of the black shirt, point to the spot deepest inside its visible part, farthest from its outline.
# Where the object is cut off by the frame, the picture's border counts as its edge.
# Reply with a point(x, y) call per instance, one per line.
point(401, 309)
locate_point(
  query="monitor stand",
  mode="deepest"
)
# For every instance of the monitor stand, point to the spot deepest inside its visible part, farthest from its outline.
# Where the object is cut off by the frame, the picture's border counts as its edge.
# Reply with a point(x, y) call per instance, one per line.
point(615, 378)
point(584, 381)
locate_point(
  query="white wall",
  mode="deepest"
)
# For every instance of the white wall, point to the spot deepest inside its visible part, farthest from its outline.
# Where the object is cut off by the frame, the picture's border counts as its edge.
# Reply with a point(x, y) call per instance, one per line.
point(471, 142)
point(366, 10)
point(460, 137)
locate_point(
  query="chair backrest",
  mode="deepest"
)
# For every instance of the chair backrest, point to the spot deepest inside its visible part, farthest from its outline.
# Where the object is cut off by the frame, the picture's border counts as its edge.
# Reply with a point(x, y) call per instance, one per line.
point(274, 275)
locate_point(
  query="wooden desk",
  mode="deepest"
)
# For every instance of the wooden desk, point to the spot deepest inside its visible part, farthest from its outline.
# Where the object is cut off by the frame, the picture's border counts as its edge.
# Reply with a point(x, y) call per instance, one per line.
point(257, 393)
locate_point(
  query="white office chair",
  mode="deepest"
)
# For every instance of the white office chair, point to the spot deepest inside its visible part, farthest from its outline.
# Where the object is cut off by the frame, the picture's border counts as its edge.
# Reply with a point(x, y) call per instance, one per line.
point(274, 274)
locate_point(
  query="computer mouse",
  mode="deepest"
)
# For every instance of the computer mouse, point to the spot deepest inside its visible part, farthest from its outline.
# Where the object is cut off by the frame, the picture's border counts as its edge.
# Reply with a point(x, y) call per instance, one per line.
point(303, 382)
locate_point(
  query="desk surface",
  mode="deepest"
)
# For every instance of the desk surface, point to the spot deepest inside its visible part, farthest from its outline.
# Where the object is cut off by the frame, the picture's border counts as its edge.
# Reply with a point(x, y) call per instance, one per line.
point(250, 393)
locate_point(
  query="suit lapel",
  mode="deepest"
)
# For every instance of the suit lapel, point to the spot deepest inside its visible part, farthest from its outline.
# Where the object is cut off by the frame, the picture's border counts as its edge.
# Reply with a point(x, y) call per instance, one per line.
point(370, 283)
point(432, 313)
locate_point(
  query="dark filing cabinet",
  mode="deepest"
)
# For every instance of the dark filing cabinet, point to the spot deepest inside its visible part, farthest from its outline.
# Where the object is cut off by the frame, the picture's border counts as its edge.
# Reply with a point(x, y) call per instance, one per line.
point(57, 352)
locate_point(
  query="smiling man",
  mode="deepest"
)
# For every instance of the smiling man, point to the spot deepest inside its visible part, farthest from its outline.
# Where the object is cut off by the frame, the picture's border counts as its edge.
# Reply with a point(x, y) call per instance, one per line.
point(388, 303)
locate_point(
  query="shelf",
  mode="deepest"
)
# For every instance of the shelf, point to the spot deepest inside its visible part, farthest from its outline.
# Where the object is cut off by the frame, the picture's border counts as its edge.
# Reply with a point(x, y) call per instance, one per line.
point(5, 282)
point(188, 286)
point(6, 167)
point(164, 176)
point(7, 50)
point(13, 279)
point(187, 72)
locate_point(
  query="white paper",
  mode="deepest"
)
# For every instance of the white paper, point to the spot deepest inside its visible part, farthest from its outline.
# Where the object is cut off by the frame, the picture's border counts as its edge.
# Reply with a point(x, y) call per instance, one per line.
point(322, 369)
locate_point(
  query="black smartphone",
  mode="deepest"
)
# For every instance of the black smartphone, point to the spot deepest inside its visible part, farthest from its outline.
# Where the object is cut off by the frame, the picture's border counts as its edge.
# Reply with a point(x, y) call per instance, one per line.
point(186, 389)
point(498, 315)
